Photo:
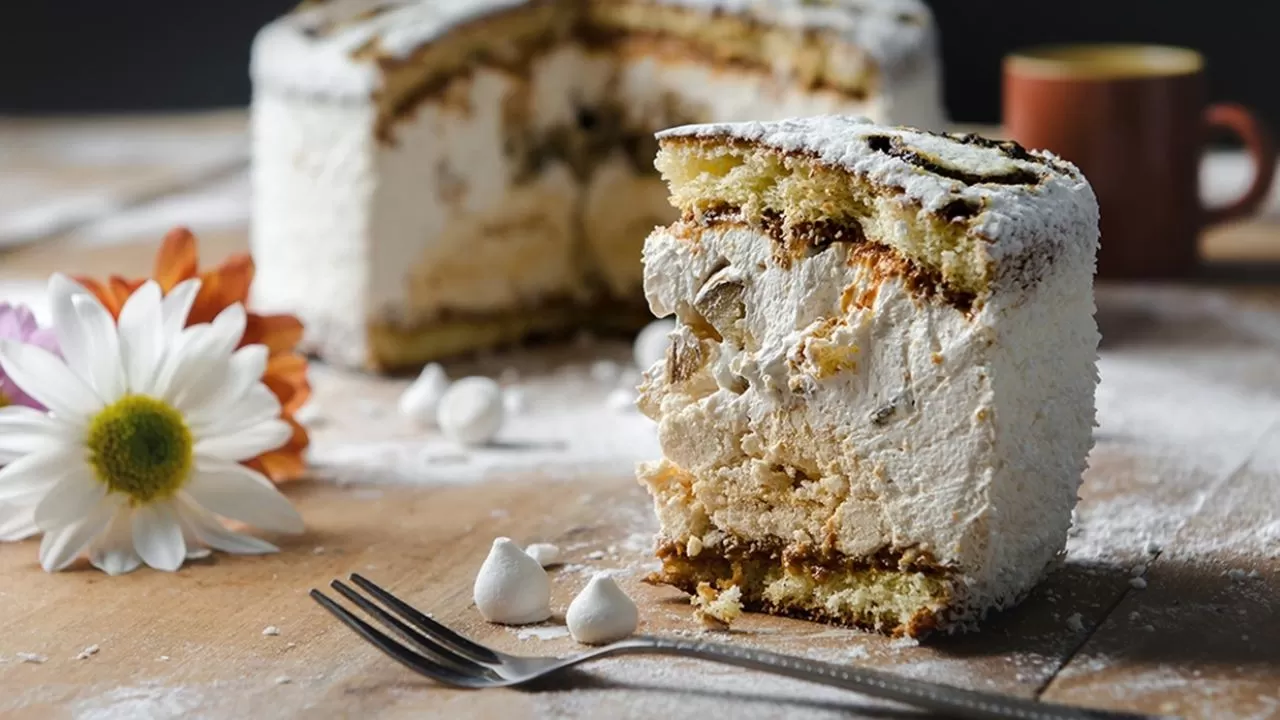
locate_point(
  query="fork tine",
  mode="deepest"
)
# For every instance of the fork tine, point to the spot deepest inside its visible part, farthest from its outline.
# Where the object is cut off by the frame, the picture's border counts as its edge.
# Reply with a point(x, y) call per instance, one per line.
point(395, 650)
point(440, 633)
point(434, 650)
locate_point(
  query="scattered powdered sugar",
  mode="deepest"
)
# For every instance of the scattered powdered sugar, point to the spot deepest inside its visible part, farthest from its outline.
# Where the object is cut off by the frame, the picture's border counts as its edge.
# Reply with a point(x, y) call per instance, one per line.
point(564, 427)
point(553, 632)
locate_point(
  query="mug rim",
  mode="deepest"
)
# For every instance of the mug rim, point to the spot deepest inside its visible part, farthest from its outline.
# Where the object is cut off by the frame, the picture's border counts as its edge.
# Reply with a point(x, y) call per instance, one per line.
point(1105, 61)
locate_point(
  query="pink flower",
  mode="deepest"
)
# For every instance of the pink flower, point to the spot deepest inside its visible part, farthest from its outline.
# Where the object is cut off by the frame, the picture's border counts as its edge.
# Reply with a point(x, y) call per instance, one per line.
point(17, 323)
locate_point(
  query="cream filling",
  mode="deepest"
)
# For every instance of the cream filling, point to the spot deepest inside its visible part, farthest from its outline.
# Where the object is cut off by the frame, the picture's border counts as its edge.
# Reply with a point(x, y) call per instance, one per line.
point(838, 409)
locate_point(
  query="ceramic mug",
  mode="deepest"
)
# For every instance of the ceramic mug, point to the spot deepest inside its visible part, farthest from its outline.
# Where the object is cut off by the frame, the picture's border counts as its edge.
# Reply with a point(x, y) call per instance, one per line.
point(1135, 120)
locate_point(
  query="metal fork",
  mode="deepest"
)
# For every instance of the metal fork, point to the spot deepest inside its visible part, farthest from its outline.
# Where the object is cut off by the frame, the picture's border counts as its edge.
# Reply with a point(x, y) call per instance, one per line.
point(451, 659)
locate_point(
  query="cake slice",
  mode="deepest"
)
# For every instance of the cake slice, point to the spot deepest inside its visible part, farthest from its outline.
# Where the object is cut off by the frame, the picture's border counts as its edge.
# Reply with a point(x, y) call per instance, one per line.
point(879, 397)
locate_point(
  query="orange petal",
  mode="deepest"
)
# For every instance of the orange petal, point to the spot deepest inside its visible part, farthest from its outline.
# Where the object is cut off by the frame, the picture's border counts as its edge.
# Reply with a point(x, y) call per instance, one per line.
point(280, 333)
point(103, 293)
point(286, 462)
point(286, 378)
point(177, 259)
point(207, 304)
point(235, 276)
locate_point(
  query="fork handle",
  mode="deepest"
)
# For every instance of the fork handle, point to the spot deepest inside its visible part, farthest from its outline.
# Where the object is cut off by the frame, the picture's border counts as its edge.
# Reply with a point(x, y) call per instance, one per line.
point(952, 701)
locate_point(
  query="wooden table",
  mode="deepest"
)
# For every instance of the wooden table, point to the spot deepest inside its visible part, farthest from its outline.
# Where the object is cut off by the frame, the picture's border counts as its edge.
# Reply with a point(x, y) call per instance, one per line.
point(1167, 601)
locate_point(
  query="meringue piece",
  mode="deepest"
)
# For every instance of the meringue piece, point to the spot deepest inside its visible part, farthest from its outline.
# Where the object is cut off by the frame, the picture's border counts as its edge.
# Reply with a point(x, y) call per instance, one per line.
point(601, 613)
point(513, 401)
point(621, 400)
point(511, 587)
point(605, 371)
point(420, 400)
point(545, 553)
point(651, 343)
point(471, 411)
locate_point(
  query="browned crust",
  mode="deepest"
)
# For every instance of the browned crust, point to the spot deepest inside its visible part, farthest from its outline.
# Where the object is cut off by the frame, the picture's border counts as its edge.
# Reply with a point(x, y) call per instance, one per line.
point(740, 563)
point(800, 240)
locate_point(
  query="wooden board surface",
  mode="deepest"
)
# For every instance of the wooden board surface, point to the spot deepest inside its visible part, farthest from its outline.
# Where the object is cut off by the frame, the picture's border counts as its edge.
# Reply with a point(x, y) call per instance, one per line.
point(1182, 493)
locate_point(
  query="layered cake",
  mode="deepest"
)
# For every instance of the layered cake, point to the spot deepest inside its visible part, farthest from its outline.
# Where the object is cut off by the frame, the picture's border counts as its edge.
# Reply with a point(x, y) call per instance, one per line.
point(879, 396)
point(435, 176)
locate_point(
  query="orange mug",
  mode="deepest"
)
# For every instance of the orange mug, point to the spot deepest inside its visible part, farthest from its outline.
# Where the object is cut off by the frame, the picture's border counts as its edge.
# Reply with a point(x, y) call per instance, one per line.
point(1135, 121)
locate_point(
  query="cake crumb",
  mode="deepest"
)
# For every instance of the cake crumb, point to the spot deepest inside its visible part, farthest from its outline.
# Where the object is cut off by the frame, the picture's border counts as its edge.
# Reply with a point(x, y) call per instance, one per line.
point(271, 630)
point(595, 555)
point(317, 550)
point(1236, 574)
point(290, 646)
point(33, 658)
point(694, 546)
point(163, 658)
point(1075, 623)
point(88, 652)
point(1133, 616)
point(1138, 570)
point(716, 609)
point(282, 680)
point(1153, 547)
point(1138, 583)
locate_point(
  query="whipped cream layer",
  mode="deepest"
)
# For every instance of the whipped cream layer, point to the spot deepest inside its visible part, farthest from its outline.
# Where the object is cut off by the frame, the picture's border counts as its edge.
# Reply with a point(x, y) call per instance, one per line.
point(840, 410)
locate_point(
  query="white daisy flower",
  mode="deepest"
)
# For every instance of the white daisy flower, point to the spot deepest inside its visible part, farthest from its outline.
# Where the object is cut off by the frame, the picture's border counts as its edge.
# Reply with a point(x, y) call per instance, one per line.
point(138, 456)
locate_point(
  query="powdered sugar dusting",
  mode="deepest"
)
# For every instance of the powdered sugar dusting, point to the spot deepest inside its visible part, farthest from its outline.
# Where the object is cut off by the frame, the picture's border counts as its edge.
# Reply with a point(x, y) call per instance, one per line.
point(566, 430)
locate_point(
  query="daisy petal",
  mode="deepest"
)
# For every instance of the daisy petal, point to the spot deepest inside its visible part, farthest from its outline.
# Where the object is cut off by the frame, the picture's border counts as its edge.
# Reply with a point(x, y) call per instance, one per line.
point(16, 523)
point(197, 353)
point(24, 430)
point(236, 492)
point(228, 327)
point(157, 536)
point(141, 341)
point(211, 532)
point(43, 376)
point(113, 551)
point(99, 329)
point(257, 406)
point(220, 390)
point(59, 548)
point(66, 323)
point(177, 306)
point(33, 474)
point(72, 497)
point(245, 443)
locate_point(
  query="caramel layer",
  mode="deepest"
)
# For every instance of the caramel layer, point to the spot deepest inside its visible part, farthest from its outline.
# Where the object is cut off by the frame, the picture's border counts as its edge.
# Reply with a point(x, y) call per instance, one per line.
point(753, 566)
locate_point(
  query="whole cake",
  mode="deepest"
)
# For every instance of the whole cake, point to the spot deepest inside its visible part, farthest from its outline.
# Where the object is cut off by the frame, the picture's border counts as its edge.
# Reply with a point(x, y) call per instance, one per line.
point(879, 396)
point(436, 176)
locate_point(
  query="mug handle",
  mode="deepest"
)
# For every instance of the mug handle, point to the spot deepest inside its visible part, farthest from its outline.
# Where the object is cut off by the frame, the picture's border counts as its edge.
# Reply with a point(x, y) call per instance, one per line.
point(1257, 140)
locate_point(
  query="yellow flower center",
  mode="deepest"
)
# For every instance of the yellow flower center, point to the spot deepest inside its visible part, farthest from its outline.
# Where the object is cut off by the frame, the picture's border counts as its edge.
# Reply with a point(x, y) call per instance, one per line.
point(141, 447)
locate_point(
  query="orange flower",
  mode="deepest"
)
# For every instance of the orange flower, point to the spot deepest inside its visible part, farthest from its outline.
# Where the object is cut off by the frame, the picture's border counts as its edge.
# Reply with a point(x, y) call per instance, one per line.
point(286, 374)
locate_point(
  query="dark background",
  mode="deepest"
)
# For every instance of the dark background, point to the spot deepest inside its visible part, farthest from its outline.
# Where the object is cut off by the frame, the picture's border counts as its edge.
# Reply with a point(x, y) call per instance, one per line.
point(131, 55)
